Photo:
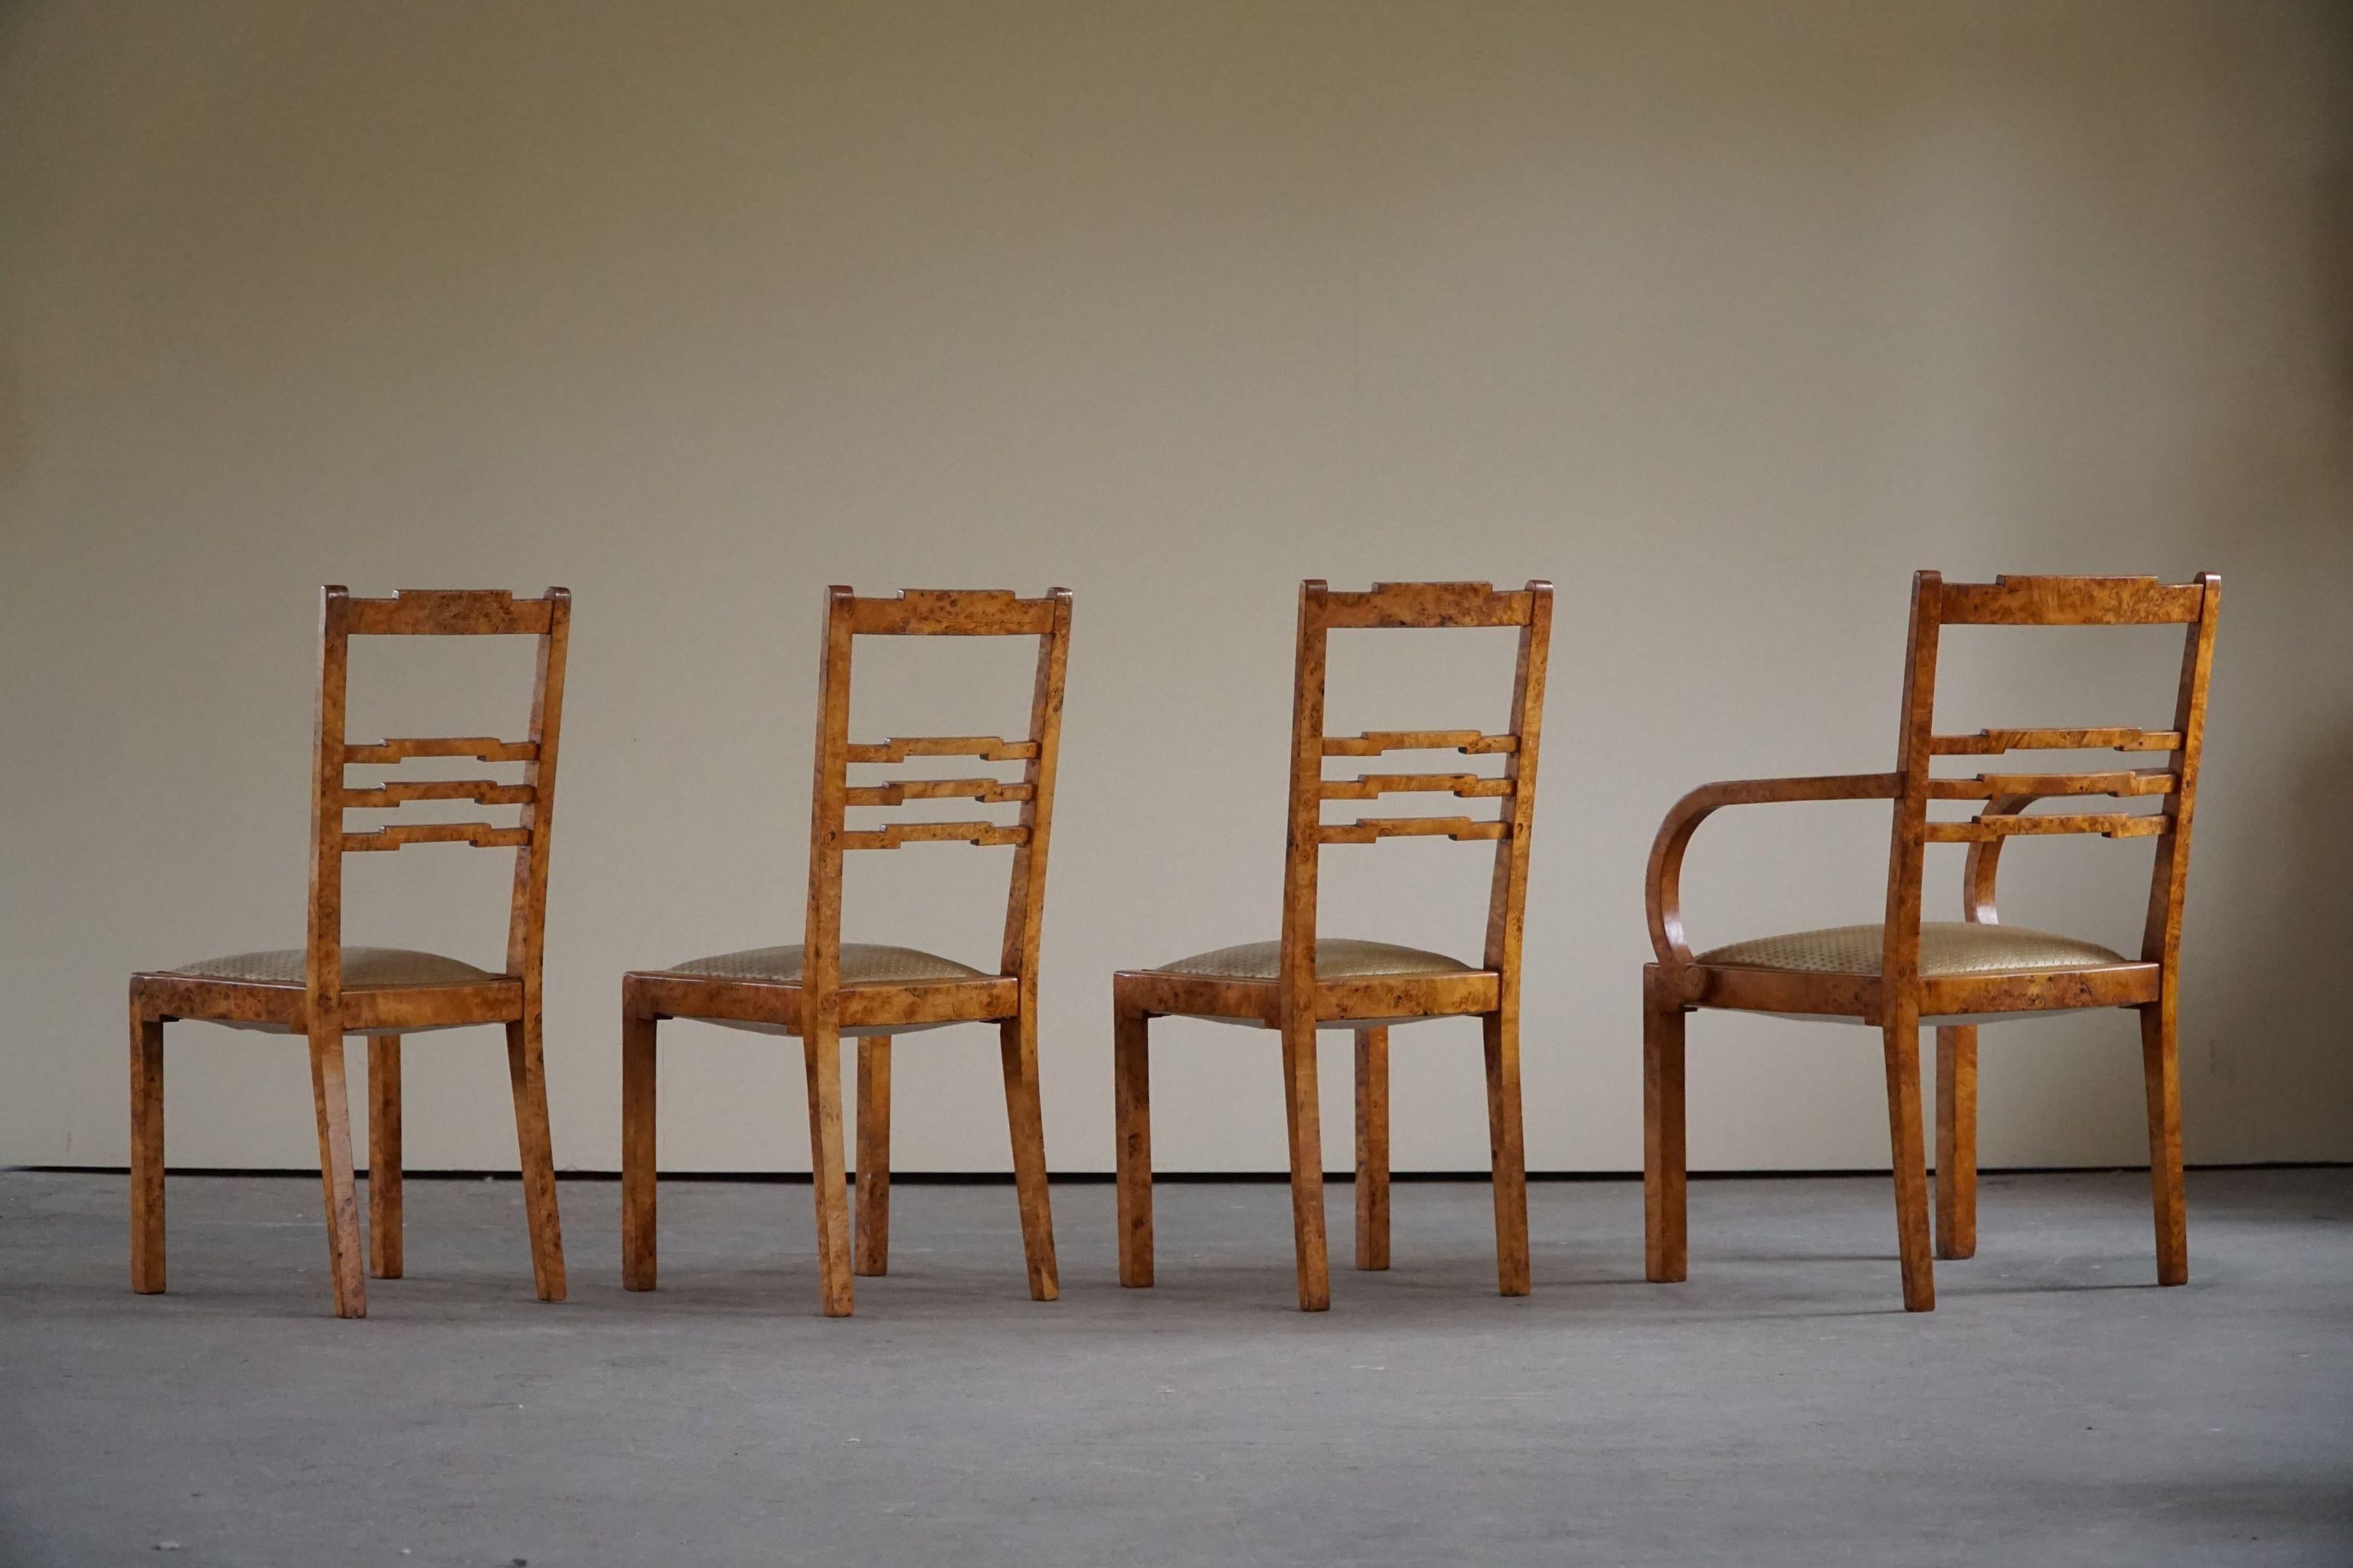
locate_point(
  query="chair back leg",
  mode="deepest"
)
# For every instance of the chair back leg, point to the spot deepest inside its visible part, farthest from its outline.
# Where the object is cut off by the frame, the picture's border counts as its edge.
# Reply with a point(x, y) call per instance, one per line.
point(637, 1100)
point(331, 1098)
point(1025, 1121)
point(1507, 1152)
point(1901, 1042)
point(2161, 1070)
point(1306, 1126)
point(821, 1050)
point(527, 1075)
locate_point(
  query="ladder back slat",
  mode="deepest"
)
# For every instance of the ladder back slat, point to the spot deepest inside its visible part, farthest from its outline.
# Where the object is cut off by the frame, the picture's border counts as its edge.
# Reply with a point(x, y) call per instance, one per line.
point(480, 748)
point(481, 792)
point(898, 792)
point(1373, 742)
point(432, 612)
point(1986, 829)
point(1992, 742)
point(1372, 786)
point(1366, 830)
point(988, 747)
point(481, 835)
point(2070, 602)
point(984, 834)
point(1993, 786)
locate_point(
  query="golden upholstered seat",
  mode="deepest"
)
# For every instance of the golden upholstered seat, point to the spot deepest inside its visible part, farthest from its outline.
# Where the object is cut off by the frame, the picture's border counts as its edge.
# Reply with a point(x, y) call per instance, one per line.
point(365, 968)
point(862, 964)
point(1336, 958)
point(1946, 948)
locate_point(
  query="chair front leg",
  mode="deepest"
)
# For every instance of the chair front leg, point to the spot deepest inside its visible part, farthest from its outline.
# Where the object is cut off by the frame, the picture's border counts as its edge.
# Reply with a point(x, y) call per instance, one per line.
point(1025, 1120)
point(1373, 1148)
point(384, 1236)
point(1507, 1152)
point(821, 1051)
point(1132, 1111)
point(873, 1239)
point(146, 1151)
point(1901, 1044)
point(527, 1076)
point(639, 1248)
point(1304, 1115)
point(331, 1100)
point(1666, 1251)
point(2161, 1072)
point(1956, 1140)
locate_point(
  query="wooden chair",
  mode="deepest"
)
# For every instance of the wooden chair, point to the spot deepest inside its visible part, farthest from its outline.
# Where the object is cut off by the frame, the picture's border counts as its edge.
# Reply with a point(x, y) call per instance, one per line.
point(822, 988)
point(325, 991)
point(1304, 982)
point(1903, 972)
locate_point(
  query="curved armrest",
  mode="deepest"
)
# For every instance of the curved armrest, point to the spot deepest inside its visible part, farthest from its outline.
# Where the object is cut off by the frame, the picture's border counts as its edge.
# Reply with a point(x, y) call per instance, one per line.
point(1663, 892)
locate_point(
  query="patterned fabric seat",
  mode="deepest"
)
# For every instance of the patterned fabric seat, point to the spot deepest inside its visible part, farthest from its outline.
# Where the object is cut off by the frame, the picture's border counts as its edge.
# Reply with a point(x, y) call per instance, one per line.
point(1946, 948)
point(365, 968)
point(863, 963)
point(1336, 958)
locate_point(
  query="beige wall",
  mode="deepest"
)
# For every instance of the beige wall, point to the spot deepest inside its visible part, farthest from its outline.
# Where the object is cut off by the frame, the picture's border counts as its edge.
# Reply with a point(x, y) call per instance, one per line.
point(1725, 317)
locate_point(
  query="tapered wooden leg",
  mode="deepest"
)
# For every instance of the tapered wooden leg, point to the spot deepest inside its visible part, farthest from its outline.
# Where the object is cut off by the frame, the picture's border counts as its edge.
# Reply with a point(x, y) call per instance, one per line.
point(821, 1048)
point(383, 1156)
point(1666, 1252)
point(1956, 1140)
point(146, 1152)
point(1131, 1108)
point(527, 1075)
point(1304, 1113)
point(1373, 1148)
point(2161, 1069)
point(638, 1249)
point(331, 1098)
point(873, 1234)
point(1025, 1117)
point(1902, 1039)
point(1507, 1153)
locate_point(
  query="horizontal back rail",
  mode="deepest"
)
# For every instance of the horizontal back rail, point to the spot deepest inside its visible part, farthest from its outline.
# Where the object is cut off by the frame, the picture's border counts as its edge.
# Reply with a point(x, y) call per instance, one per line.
point(952, 612)
point(1426, 604)
point(481, 792)
point(1993, 742)
point(1994, 786)
point(898, 749)
point(482, 750)
point(436, 612)
point(2070, 602)
point(899, 792)
point(481, 835)
point(1371, 786)
point(1370, 829)
point(891, 837)
point(1986, 829)
point(1373, 742)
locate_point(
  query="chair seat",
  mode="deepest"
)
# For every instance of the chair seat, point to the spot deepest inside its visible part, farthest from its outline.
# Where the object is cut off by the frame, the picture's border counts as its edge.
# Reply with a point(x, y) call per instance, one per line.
point(1946, 948)
point(1336, 958)
point(365, 968)
point(862, 964)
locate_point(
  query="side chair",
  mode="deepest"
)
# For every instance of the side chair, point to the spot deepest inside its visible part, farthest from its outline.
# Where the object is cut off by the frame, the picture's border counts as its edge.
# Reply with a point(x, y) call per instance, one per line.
point(325, 990)
point(823, 989)
point(1905, 972)
point(1303, 981)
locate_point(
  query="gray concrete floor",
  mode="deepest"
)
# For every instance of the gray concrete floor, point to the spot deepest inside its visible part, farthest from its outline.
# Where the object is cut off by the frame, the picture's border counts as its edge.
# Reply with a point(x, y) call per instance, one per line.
point(2057, 1409)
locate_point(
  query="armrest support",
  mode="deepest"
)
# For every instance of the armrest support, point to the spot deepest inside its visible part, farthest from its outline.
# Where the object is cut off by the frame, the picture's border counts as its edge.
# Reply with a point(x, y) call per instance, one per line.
point(1985, 861)
point(1662, 894)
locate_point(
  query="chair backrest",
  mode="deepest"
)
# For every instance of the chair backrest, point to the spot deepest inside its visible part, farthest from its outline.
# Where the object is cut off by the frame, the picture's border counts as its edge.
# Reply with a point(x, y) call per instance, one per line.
point(1429, 606)
point(935, 613)
point(435, 613)
point(2047, 601)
